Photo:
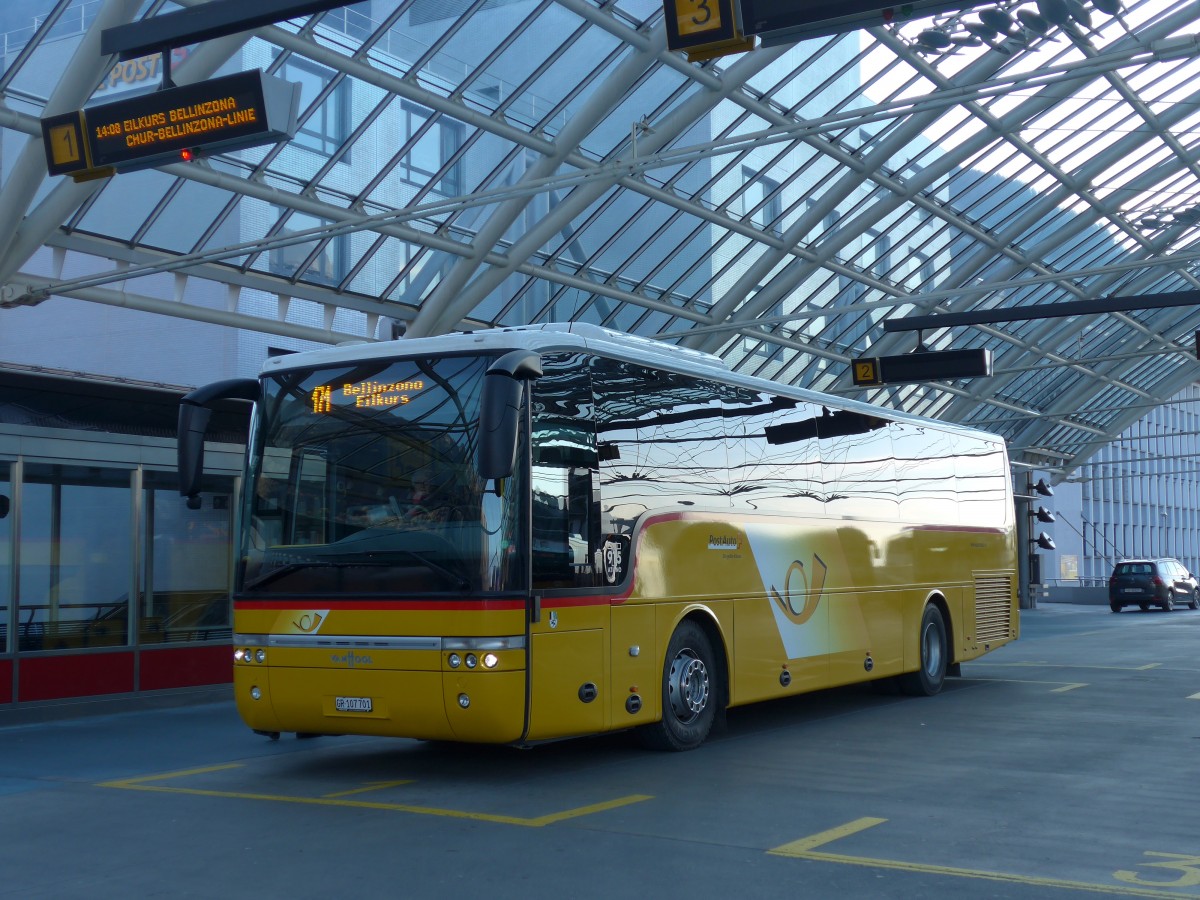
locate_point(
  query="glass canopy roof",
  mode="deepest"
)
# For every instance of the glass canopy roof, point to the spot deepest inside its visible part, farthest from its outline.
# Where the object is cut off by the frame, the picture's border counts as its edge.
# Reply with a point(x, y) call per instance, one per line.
point(463, 164)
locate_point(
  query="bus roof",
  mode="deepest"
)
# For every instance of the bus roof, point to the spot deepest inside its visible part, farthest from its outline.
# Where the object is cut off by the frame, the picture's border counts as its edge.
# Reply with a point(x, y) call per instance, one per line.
point(594, 339)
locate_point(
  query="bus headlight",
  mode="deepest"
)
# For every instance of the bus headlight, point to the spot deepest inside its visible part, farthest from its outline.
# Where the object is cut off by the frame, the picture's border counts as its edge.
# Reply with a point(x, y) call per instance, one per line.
point(239, 655)
point(260, 655)
point(472, 662)
point(464, 701)
point(490, 660)
point(256, 693)
point(454, 660)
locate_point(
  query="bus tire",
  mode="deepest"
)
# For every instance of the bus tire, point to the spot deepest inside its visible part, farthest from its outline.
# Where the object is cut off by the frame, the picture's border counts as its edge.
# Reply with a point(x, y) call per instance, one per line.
point(690, 692)
point(931, 672)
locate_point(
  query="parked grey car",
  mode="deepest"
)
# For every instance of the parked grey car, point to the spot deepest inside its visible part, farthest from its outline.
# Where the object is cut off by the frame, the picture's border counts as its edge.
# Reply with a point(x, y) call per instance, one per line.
point(1152, 582)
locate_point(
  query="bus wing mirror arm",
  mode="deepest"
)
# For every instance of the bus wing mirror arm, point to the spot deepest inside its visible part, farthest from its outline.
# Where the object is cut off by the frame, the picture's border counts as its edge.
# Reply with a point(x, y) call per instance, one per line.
point(194, 412)
point(500, 411)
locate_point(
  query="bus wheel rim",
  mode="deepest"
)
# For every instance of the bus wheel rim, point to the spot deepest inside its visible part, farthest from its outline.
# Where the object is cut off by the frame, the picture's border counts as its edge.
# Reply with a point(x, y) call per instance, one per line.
point(687, 686)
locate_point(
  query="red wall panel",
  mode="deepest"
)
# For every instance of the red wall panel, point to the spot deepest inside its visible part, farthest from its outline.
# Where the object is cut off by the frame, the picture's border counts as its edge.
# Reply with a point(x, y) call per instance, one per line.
point(6, 676)
point(77, 675)
point(186, 667)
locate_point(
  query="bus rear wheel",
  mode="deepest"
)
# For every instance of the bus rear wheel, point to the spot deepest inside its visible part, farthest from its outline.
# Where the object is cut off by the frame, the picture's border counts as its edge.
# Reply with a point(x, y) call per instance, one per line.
point(931, 673)
point(689, 692)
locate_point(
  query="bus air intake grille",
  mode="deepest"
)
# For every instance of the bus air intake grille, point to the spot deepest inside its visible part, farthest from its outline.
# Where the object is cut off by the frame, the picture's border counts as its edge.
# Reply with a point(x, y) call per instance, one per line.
point(993, 607)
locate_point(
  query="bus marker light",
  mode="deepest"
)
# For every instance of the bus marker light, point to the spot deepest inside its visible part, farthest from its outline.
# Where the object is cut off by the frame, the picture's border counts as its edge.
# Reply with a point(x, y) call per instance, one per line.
point(256, 693)
point(464, 701)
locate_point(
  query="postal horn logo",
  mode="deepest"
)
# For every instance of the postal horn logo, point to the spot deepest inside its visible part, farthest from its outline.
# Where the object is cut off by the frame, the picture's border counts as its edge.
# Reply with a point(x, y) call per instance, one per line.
point(800, 599)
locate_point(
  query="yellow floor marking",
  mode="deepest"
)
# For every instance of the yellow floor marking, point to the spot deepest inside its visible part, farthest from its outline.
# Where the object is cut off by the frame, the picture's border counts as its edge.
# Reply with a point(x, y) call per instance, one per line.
point(805, 845)
point(145, 783)
point(371, 786)
point(805, 849)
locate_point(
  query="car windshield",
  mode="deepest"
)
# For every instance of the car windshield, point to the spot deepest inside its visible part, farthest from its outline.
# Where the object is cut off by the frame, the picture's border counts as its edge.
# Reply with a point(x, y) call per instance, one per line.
point(364, 483)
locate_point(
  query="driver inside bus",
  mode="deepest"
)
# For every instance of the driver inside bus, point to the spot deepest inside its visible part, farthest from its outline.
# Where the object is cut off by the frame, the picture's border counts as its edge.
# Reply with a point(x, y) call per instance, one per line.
point(427, 504)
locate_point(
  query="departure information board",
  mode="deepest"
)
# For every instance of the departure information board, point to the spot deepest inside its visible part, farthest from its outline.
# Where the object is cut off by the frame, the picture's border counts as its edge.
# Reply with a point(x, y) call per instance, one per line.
point(245, 109)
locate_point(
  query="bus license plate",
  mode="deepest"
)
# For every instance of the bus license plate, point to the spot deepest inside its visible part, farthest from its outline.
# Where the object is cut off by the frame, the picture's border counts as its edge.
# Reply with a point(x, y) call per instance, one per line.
point(352, 704)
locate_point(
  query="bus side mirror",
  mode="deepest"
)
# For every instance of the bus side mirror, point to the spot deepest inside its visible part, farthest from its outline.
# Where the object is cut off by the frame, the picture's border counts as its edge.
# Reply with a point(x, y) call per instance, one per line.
point(500, 412)
point(193, 423)
point(194, 413)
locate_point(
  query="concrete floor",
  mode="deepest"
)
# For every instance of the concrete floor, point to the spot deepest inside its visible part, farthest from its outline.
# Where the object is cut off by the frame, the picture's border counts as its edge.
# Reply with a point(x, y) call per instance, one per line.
point(1061, 766)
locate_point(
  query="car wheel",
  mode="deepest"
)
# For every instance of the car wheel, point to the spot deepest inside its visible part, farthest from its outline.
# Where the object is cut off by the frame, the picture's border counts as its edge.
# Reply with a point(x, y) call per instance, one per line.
point(1144, 606)
point(1168, 604)
point(1194, 603)
point(1114, 605)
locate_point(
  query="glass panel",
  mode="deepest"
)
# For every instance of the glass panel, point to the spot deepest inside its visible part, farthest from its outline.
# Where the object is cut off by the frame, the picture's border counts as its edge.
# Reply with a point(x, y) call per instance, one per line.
point(186, 562)
point(365, 483)
point(6, 605)
point(75, 557)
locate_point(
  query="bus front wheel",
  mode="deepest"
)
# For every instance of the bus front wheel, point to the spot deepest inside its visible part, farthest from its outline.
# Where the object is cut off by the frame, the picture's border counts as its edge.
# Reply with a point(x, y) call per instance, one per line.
point(931, 673)
point(689, 692)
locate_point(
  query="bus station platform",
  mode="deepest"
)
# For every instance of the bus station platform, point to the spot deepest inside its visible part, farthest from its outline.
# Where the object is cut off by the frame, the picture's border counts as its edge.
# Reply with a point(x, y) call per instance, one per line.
point(1058, 766)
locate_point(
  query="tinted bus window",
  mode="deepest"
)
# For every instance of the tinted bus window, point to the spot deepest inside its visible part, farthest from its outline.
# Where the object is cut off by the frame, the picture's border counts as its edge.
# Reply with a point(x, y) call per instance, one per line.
point(661, 443)
point(566, 520)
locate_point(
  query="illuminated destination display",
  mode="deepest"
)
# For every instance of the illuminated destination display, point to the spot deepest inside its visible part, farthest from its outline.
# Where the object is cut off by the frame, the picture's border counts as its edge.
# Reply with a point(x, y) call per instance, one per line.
point(245, 109)
point(367, 394)
point(211, 115)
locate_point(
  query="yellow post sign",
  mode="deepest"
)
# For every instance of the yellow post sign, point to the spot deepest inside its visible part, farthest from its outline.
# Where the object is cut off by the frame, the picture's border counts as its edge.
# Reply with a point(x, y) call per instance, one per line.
point(866, 372)
point(695, 16)
point(704, 28)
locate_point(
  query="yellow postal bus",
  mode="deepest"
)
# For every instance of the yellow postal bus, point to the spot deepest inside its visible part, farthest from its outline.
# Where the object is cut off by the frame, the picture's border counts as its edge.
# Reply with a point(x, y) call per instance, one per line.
point(525, 534)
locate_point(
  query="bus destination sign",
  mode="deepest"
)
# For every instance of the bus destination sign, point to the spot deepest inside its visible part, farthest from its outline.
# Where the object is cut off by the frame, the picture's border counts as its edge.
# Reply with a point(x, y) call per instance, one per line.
point(367, 394)
point(245, 109)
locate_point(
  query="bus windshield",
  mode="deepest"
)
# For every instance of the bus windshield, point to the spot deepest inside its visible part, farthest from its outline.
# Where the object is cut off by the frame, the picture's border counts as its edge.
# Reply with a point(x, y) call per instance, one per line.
point(362, 481)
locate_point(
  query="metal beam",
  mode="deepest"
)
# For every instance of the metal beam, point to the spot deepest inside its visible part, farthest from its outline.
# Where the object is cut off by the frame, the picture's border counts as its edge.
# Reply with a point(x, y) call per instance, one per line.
point(1043, 311)
point(217, 18)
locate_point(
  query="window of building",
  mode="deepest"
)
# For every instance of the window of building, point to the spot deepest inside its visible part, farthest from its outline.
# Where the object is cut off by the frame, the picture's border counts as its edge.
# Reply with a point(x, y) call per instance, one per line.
point(328, 266)
point(437, 139)
point(324, 129)
point(762, 201)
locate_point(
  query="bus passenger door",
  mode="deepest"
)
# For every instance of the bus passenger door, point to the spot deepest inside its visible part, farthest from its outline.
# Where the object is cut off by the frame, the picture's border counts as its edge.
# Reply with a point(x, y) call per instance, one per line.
point(568, 677)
